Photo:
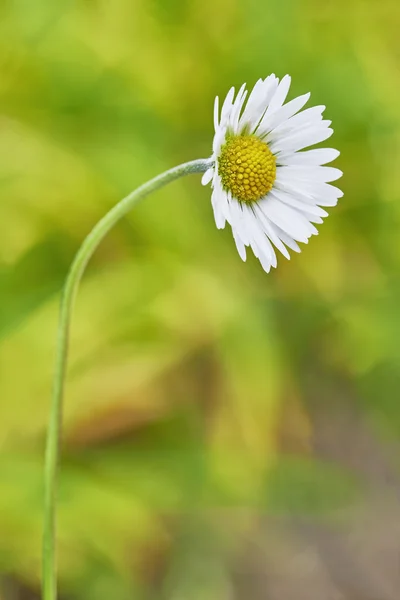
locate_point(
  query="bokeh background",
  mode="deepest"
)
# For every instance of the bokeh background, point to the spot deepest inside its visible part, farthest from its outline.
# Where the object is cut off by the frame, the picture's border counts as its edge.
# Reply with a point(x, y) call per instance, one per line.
point(228, 434)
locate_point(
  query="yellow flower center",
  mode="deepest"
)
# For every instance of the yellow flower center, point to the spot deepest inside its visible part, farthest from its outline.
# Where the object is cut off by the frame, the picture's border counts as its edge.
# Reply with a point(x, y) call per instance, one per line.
point(247, 167)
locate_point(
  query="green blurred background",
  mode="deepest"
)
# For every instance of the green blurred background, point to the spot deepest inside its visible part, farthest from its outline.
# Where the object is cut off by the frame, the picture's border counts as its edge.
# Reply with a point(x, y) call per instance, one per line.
point(228, 434)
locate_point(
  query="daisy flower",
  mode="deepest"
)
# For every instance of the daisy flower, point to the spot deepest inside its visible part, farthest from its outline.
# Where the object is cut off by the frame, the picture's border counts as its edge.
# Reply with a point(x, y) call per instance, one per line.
point(264, 184)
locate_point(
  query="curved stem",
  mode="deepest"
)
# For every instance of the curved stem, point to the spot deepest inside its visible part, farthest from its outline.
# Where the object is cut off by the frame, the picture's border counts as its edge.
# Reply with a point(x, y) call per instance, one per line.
point(89, 245)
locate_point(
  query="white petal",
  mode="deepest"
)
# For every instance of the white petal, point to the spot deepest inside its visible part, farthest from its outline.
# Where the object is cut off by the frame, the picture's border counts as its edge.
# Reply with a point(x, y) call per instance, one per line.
point(314, 219)
point(259, 243)
point(272, 120)
point(237, 109)
point(218, 216)
point(280, 95)
point(321, 189)
point(287, 218)
point(219, 201)
point(306, 118)
point(323, 194)
point(319, 156)
point(219, 139)
point(310, 209)
point(302, 139)
point(262, 257)
point(216, 113)
point(253, 102)
point(270, 232)
point(258, 102)
point(308, 173)
point(286, 239)
point(260, 248)
point(238, 221)
point(239, 245)
point(227, 106)
point(208, 175)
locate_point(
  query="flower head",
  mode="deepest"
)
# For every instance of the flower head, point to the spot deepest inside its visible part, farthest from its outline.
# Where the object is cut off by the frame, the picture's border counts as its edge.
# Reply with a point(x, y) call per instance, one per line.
point(264, 184)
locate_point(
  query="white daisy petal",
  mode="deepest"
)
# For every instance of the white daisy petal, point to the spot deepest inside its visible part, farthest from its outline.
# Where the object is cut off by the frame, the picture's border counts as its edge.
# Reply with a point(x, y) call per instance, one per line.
point(219, 201)
point(311, 209)
point(286, 239)
point(299, 122)
point(264, 260)
point(236, 108)
point(227, 106)
point(302, 139)
point(219, 139)
point(261, 251)
point(218, 216)
point(280, 95)
point(320, 156)
point(323, 194)
point(208, 175)
point(316, 190)
point(273, 120)
point(238, 221)
point(262, 241)
point(254, 100)
point(308, 173)
point(216, 113)
point(270, 207)
point(247, 228)
point(258, 102)
point(270, 232)
point(313, 219)
point(287, 218)
point(241, 248)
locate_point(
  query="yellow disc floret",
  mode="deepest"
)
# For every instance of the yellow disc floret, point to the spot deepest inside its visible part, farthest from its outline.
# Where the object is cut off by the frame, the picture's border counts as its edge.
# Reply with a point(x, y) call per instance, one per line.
point(247, 167)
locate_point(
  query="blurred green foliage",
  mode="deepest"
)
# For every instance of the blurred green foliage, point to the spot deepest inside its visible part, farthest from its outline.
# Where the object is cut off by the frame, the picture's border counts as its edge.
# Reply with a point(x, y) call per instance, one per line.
point(191, 373)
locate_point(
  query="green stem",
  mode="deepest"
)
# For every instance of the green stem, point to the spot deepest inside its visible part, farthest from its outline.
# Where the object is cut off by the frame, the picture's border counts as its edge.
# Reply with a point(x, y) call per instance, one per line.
point(89, 245)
